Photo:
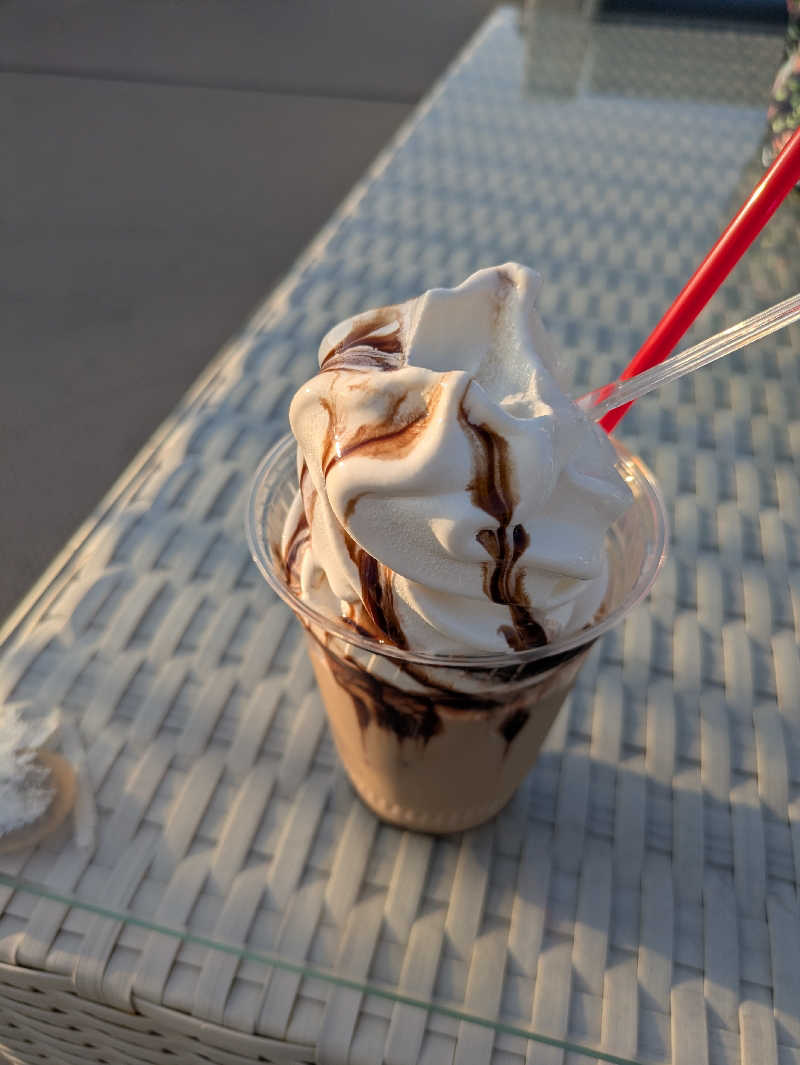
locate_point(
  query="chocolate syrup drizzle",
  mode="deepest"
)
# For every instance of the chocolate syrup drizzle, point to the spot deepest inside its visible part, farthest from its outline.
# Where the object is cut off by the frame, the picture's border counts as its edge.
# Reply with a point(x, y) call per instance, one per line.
point(377, 595)
point(409, 715)
point(296, 543)
point(417, 715)
point(492, 491)
point(513, 724)
point(300, 537)
point(367, 346)
point(394, 441)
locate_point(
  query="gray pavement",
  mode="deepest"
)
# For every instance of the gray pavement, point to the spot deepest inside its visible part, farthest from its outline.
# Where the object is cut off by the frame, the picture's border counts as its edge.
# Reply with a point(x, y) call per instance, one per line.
point(163, 163)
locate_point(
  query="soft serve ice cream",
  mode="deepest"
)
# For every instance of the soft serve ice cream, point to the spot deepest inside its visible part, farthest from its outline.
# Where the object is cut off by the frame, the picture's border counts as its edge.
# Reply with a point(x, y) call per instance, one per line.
point(453, 497)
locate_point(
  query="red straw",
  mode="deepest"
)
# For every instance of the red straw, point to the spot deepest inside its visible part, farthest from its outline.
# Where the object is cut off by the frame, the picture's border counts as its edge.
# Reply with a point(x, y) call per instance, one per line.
point(778, 181)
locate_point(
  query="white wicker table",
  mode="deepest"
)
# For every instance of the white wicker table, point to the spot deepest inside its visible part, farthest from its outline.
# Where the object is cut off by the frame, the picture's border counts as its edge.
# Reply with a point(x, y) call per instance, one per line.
point(639, 898)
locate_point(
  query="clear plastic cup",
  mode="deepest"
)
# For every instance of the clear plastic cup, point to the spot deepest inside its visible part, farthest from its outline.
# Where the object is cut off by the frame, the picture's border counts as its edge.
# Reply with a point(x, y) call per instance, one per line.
point(441, 742)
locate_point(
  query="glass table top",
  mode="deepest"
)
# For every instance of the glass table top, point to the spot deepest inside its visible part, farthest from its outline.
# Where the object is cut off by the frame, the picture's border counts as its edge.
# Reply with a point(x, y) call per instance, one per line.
point(637, 901)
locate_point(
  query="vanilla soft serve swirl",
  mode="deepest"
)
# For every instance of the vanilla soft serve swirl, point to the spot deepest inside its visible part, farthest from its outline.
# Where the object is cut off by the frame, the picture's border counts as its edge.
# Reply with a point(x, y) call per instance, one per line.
point(453, 498)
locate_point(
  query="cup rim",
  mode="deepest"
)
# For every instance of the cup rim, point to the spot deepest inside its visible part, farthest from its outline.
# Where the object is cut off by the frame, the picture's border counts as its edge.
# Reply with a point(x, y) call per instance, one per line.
point(262, 556)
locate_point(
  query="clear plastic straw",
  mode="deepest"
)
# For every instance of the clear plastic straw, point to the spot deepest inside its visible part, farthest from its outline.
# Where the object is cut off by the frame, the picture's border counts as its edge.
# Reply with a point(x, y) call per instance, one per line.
point(607, 398)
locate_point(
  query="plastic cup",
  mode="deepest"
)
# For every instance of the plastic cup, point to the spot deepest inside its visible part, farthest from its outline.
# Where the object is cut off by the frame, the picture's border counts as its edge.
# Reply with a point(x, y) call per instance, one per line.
point(440, 743)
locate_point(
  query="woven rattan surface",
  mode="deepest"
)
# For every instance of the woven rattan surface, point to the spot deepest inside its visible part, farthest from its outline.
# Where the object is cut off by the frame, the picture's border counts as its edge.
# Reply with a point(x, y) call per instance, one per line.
point(640, 893)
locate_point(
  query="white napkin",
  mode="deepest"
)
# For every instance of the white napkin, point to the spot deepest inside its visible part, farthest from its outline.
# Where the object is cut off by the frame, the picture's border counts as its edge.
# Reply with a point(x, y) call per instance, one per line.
point(25, 793)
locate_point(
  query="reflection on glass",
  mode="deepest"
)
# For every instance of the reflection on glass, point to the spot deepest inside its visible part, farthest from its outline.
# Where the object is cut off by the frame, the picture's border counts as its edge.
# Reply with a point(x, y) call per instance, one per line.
point(578, 47)
point(558, 34)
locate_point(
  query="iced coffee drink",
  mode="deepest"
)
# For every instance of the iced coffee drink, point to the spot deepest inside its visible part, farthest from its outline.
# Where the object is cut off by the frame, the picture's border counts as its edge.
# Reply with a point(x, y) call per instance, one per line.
point(454, 534)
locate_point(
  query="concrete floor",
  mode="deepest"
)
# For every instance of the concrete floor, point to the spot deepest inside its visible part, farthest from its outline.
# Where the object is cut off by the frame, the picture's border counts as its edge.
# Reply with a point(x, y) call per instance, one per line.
point(163, 164)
